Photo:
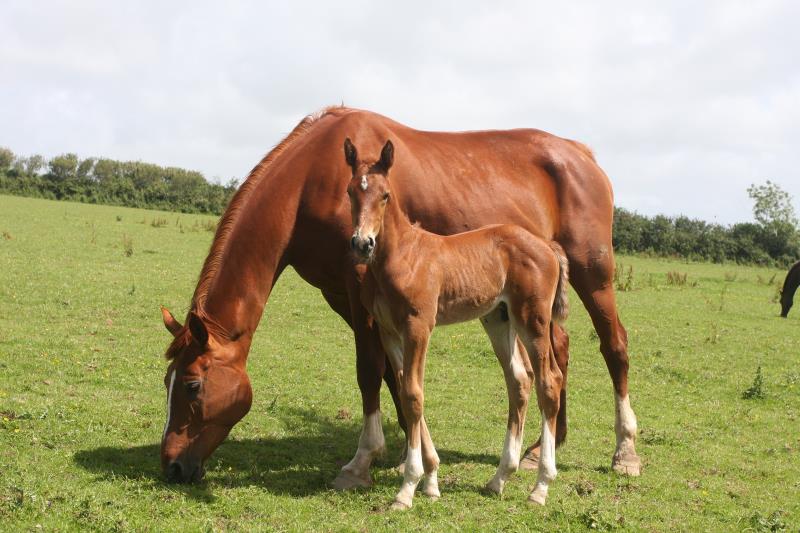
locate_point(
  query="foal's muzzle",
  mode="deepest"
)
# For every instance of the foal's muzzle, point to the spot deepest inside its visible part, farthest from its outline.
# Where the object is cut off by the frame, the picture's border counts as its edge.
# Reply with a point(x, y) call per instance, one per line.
point(362, 246)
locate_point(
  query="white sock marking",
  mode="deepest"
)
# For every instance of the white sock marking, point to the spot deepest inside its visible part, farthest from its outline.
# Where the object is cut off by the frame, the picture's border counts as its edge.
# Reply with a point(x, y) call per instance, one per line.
point(625, 425)
point(370, 444)
point(411, 476)
point(169, 402)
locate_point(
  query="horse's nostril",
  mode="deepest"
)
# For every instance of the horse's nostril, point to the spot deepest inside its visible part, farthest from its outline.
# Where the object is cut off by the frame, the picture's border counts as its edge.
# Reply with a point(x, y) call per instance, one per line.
point(174, 472)
point(371, 242)
point(353, 243)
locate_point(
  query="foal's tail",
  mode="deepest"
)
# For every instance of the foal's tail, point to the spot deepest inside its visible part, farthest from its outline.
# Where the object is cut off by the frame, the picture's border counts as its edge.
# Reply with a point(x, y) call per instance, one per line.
point(561, 301)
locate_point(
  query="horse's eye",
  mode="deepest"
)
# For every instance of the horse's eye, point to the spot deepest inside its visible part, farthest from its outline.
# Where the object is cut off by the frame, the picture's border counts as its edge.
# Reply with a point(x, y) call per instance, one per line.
point(192, 388)
point(385, 196)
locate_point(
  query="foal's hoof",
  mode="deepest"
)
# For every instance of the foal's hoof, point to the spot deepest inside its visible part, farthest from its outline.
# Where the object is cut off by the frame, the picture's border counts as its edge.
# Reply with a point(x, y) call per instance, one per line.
point(347, 480)
point(431, 492)
point(494, 486)
point(397, 505)
point(530, 461)
point(627, 465)
point(537, 498)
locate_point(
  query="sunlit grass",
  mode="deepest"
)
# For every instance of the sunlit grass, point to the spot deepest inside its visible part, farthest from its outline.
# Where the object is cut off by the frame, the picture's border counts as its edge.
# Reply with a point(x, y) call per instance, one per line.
point(82, 398)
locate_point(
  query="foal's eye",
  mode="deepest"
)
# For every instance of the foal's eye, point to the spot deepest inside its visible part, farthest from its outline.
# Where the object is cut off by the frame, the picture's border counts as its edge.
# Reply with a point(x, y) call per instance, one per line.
point(385, 196)
point(192, 388)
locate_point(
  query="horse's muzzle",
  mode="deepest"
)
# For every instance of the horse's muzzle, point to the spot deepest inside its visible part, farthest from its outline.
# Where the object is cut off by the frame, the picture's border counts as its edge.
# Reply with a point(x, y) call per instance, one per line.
point(363, 246)
point(180, 472)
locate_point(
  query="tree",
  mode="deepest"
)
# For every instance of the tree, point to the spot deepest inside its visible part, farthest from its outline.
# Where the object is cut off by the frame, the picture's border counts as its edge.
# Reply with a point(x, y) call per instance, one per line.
point(772, 204)
point(34, 164)
point(6, 159)
point(64, 166)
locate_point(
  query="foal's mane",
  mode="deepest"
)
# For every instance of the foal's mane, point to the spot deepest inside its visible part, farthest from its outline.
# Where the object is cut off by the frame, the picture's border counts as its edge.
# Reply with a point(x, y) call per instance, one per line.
point(213, 262)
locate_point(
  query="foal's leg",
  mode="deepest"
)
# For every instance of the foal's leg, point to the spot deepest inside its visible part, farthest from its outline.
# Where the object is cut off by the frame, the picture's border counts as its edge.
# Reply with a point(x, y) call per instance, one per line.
point(559, 340)
point(548, 381)
point(415, 346)
point(518, 374)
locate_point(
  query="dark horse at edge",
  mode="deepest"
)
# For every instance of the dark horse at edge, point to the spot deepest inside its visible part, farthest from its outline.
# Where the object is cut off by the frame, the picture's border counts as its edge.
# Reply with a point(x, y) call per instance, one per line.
point(293, 210)
point(789, 288)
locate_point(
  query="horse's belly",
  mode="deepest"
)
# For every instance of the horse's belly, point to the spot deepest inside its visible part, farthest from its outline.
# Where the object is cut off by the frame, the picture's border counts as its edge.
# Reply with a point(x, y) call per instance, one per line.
point(464, 309)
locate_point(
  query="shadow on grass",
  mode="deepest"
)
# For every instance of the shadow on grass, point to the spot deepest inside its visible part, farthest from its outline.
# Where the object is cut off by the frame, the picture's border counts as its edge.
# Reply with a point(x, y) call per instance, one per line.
point(296, 465)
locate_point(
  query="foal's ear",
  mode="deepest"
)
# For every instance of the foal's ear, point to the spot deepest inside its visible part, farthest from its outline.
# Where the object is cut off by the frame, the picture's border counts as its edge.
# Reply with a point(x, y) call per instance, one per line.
point(172, 325)
point(198, 329)
point(350, 153)
point(387, 156)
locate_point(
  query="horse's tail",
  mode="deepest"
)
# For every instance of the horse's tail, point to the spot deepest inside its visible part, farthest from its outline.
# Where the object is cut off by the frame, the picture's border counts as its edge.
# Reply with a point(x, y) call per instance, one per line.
point(561, 301)
point(789, 288)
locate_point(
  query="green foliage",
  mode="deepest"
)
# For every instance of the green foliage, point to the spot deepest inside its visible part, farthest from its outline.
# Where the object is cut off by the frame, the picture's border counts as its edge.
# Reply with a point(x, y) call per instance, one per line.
point(756, 390)
point(745, 243)
point(772, 205)
point(106, 181)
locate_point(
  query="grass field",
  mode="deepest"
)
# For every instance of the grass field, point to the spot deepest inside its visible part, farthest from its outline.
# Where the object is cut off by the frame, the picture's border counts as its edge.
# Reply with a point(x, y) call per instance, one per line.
point(82, 399)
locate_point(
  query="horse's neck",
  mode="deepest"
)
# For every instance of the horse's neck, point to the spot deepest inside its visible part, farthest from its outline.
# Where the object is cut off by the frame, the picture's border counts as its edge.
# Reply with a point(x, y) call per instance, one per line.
point(251, 262)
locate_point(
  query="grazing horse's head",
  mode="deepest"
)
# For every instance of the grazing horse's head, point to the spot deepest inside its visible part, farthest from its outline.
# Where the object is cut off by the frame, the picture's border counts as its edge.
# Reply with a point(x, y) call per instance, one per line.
point(369, 194)
point(786, 302)
point(208, 391)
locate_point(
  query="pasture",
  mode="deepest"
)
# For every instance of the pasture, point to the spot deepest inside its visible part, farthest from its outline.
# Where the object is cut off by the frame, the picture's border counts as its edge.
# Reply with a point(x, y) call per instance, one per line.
point(82, 398)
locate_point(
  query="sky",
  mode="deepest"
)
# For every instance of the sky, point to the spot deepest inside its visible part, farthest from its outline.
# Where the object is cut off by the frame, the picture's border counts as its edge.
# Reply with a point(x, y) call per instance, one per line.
point(684, 103)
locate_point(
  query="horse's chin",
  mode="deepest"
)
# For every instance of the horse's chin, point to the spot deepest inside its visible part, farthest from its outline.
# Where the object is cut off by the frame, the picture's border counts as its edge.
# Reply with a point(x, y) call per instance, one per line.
point(363, 259)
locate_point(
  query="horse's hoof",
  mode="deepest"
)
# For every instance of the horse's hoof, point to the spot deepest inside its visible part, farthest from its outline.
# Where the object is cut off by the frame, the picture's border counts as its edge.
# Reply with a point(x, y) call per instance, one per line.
point(530, 461)
point(537, 498)
point(494, 487)
point(432, 493)
point(400, 506)
point(627, 465)
point(347, 480)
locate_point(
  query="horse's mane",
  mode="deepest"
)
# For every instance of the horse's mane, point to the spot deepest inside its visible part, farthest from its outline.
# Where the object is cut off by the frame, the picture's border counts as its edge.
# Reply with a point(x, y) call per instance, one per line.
point(236, 206)
point(225, 227)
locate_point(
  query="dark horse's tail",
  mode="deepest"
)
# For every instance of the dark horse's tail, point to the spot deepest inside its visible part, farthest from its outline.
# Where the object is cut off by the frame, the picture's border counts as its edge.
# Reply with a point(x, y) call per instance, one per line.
point(561, 302)
point(789, 288)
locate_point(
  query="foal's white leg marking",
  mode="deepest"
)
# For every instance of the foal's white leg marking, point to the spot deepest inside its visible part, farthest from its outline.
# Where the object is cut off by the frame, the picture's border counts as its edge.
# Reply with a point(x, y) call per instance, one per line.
point(509, 462)
point(625, 459)
point(371, 444)
point(169, 403)
point(547, 464)
point(504, 342)
point(411, 477)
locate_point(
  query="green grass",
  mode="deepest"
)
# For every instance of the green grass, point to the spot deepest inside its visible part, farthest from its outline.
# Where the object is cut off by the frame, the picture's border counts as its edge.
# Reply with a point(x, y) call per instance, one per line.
point(82, 398)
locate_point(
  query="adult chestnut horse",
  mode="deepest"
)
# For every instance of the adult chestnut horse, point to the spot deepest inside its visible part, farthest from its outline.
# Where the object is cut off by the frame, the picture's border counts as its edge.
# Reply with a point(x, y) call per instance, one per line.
point(293, 210)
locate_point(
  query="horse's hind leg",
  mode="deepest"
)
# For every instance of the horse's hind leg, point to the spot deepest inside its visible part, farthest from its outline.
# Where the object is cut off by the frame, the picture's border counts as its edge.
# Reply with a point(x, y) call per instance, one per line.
point(518, 373)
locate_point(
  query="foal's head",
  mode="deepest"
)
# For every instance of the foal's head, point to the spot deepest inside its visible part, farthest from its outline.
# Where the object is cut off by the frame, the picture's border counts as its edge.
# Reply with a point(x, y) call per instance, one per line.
point(369, 193)
point(208, 391)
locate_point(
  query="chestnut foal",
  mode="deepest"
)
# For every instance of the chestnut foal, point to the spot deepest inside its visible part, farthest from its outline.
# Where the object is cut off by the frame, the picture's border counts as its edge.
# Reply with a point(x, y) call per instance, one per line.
point(512, 280)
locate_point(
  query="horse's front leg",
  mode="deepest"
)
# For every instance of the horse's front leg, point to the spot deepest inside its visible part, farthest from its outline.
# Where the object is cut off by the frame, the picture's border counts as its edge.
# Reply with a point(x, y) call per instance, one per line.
point(370, 366)
point(421, 458)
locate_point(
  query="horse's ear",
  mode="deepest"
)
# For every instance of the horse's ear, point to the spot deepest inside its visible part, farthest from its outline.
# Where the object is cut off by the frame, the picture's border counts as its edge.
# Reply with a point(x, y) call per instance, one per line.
point(198, 329)
point(387, 156)
point(172, 325)
point(350, 153)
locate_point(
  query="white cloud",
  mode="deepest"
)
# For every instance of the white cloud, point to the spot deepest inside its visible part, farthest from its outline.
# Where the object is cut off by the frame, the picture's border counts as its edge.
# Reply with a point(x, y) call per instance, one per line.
point(686, 104)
